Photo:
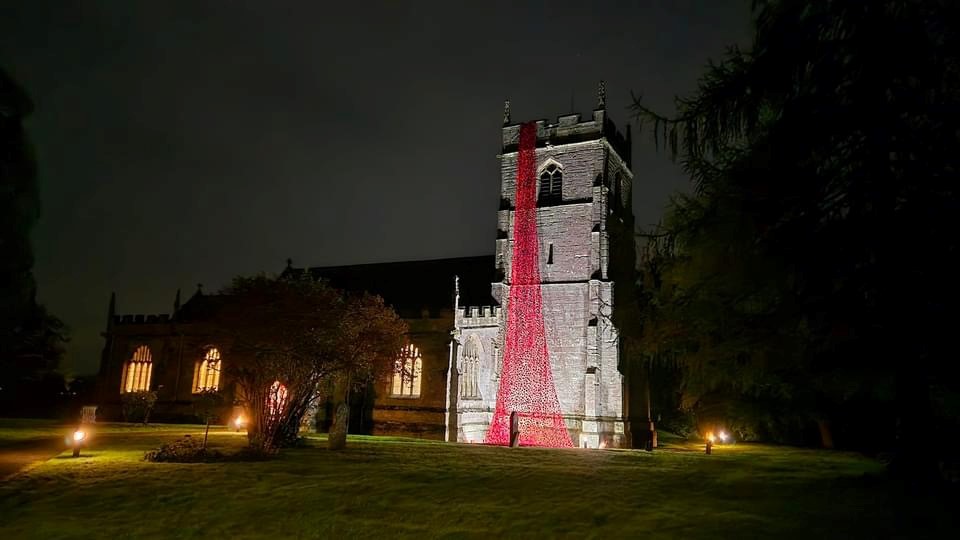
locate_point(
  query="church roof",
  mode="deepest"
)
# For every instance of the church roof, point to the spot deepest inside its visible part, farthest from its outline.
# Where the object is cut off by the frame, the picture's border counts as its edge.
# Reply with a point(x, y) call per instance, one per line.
point(414, 286)
point(202, 307)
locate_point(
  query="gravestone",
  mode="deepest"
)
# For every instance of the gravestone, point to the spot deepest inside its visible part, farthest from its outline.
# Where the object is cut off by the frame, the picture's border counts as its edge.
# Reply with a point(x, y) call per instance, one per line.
point(88, 414)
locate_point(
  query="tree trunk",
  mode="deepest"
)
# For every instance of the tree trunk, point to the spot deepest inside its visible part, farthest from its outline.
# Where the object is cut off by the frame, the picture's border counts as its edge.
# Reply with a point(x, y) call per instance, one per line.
point(337, 438)
point(826, 434)
point(206, 433)
point(651, 438)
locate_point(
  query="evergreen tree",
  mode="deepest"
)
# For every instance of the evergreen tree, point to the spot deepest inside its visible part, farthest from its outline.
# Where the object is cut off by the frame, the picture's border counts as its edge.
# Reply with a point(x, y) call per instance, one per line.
point(813, 262)
point(31, 340)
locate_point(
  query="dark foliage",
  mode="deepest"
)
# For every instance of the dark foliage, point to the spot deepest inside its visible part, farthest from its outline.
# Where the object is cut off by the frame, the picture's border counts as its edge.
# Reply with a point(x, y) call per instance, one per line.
point(808, 282)
point(137, 406)
point(31, 340)
point(194, 450)
point(185, 450)
point(291, 337)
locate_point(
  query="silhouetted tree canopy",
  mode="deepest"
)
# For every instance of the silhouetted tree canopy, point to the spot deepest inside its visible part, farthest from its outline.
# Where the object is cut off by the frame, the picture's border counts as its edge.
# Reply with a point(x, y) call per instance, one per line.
point(294, 335)
point(812, 269)
point(31, 340)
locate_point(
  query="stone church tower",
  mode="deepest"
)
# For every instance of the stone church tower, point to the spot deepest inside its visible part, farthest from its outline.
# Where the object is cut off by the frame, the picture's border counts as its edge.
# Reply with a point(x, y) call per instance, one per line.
point(584, 187)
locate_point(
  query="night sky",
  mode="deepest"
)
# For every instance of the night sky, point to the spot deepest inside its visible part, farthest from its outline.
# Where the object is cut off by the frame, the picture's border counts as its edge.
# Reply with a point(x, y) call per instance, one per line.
point(187, 142)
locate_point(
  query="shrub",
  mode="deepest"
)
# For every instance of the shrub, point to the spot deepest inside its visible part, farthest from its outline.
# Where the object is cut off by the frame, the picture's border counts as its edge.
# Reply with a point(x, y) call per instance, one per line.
point(681, 422)
point(136, 406)
point(191, 450)
point(185, 450)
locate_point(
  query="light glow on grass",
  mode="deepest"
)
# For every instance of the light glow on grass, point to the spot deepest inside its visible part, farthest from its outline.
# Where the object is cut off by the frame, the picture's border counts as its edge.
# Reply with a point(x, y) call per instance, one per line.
point(371, 489)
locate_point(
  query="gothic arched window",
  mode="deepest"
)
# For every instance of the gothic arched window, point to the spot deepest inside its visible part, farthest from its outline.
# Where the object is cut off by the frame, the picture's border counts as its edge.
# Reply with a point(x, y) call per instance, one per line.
point(206, 373)
point(407, 372)
point(551, 184)
point(470, 372)
point(137, 371)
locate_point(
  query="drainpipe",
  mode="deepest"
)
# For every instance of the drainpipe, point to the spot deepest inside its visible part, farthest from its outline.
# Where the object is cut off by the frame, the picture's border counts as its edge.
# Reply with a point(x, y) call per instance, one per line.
point(450, 428)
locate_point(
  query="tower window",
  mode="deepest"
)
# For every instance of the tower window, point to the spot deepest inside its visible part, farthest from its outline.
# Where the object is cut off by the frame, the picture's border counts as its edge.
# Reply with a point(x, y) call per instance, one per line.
point(406, 377)
point(551, 185)
point(137, 371)
point(206, 373)
point(550, 254)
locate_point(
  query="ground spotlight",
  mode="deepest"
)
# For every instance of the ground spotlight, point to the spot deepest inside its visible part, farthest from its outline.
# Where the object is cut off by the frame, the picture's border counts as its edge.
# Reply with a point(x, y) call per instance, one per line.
point(78, 437)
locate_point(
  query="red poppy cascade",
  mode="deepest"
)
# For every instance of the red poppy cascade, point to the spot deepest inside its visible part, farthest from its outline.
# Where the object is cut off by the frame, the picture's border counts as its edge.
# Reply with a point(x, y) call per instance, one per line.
point(526, 382)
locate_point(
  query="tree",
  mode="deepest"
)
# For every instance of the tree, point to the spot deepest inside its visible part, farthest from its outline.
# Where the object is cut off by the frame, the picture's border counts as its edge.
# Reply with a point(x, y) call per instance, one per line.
point(371, 335)
point(288, 335)
point(206, 405)
point(31, 340)
point(812, 262)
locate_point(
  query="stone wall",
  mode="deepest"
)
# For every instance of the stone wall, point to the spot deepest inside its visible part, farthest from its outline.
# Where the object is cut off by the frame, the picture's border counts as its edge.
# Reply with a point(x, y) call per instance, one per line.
point(175, 349)
point(582, 341)
point(425, 415)
point(474, 413)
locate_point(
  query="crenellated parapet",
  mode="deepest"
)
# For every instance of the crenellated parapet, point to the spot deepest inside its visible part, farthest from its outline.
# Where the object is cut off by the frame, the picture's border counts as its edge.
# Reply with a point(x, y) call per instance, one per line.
point(141, 318)
point(569, 129)
point(477, 316)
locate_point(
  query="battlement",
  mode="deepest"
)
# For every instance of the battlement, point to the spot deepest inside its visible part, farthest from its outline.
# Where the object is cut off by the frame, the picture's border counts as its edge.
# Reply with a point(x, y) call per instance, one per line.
point(570, 129)
point(472, 316)
point(140, 318)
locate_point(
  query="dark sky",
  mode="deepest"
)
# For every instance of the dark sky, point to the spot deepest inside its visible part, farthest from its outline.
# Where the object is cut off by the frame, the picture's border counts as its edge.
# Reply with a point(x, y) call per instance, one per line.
point(184, 142)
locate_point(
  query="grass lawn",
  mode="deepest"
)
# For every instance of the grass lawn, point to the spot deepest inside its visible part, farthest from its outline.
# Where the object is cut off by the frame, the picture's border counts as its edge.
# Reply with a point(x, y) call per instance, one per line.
point(397, 487)
point(15, 430)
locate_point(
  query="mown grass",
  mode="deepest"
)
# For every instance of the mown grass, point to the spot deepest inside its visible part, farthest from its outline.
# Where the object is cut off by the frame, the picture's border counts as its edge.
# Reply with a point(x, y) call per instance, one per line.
point(16, 430)
point(395, 487)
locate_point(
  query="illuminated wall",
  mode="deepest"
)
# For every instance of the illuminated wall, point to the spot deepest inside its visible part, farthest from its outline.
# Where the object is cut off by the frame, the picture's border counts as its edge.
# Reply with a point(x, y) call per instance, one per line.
point(563, 237)
point(526, 382)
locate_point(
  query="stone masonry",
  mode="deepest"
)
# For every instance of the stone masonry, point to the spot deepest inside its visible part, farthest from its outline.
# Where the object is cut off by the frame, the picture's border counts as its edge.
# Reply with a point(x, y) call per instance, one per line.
point(577, 291)
point(456, 322)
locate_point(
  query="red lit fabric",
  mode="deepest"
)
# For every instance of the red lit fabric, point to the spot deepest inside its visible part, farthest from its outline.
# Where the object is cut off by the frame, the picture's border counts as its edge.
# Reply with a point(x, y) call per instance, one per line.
point(526, 382)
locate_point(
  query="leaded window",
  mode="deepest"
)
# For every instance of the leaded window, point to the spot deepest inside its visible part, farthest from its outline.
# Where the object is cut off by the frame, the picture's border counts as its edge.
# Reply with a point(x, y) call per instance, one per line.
point(407, 372)
point(137, 371)
point(551, 184)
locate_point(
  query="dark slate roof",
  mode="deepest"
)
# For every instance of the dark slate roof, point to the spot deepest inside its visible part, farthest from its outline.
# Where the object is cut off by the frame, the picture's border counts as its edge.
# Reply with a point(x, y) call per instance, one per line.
point(201, 307)
point(413, 286)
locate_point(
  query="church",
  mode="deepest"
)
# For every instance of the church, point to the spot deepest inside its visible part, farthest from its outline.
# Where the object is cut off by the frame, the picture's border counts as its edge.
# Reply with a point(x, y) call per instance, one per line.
point(464, 364)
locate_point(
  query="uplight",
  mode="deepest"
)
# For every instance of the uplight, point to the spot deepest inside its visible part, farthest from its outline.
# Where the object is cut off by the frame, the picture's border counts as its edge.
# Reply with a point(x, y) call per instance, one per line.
point(78, 438)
